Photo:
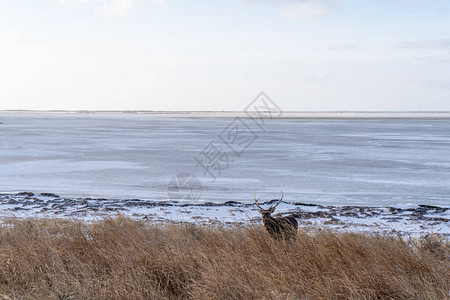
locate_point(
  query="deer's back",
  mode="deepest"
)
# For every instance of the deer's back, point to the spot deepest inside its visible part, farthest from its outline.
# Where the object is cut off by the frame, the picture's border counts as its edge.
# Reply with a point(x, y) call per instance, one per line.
point(282, 227)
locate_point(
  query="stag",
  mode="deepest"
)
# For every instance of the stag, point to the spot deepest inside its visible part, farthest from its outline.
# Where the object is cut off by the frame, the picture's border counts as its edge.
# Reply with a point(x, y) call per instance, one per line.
point(278, 227)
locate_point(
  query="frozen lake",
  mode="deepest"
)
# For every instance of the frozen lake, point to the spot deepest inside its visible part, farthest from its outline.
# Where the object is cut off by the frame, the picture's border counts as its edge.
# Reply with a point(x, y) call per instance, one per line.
point(375, 162)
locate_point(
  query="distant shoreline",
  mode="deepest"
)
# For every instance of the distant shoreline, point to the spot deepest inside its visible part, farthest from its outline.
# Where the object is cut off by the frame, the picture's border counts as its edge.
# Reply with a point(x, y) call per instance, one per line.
point(233, 114)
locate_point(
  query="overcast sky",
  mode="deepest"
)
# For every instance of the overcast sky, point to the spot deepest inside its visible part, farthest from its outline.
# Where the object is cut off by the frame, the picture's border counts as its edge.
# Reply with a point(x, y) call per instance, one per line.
point(218, 55)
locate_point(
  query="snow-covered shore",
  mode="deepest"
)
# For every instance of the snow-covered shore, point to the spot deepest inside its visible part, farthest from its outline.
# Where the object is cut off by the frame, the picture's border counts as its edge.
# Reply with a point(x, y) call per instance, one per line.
point(408, 219)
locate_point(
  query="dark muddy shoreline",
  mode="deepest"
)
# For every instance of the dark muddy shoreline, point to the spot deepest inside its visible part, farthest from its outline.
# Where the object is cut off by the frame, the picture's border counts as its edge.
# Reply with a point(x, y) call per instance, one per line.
point(417, 219)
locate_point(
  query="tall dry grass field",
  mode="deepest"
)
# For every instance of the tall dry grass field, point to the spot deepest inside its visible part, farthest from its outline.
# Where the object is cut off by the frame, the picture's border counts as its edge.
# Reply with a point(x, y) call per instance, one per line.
point(125, 259)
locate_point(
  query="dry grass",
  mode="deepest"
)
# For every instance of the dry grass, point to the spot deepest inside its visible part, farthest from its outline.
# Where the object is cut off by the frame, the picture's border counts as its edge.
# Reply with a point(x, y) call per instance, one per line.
point(125, 259)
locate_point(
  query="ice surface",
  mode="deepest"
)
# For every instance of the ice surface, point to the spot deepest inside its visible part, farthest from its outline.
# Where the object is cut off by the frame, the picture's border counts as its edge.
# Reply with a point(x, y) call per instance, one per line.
point(374, 162)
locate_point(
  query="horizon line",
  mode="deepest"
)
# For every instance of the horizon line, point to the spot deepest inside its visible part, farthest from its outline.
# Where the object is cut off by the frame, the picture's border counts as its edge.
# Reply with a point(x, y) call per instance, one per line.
point(220, 111)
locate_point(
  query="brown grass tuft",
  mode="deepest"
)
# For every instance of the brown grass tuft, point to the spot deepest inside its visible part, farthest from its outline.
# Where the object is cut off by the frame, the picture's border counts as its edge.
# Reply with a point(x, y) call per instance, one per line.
point(125, 259)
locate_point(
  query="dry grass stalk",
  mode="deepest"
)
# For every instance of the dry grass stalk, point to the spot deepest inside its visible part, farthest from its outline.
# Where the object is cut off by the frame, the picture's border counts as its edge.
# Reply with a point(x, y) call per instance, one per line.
point(125, 259)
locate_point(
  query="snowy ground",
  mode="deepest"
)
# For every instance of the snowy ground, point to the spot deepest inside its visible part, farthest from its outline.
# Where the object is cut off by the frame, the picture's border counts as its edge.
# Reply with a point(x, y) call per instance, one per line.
point(409, 219)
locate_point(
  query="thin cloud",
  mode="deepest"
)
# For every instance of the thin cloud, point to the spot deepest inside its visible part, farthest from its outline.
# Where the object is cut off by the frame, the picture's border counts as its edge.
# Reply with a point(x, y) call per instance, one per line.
point(111, 8)
point(343, 47)
point(115, 8)
point(306, 10)
point(427, 43)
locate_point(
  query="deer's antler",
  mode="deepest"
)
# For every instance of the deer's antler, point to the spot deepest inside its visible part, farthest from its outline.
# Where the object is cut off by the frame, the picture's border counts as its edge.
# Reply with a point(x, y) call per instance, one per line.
point(256, 201)
point(278, 202)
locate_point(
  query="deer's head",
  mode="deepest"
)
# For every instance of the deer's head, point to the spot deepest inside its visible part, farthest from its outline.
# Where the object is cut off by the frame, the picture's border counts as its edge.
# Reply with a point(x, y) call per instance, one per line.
point(266, 213)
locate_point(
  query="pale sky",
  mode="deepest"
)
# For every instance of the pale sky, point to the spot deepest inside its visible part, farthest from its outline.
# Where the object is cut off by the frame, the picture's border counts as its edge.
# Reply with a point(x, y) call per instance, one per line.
point(307, 55)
